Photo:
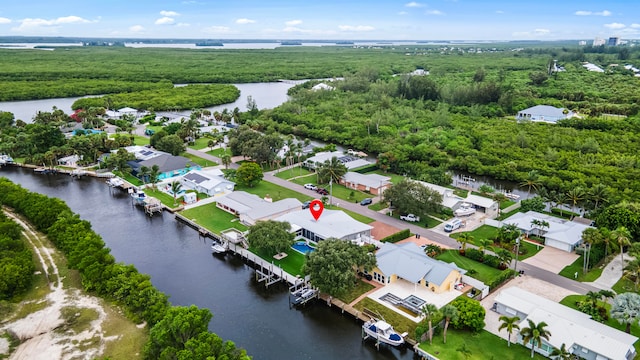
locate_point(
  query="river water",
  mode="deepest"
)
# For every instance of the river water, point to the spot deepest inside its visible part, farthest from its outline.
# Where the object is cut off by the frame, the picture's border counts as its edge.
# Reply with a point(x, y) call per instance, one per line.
point(181, 265)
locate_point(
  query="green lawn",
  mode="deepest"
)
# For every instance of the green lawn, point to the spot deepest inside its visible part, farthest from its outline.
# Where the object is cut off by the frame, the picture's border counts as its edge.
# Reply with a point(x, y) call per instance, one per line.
point(128, 177)
point(532, 249)
point(164, 198)
point(360, 288)
point(399, 322)
point(218, 152)
point(505, 204)
point(571, 301)
point(378, 206)
point(155, 128)
point(198, 160)
point(312, 178)
point(355, 215)
point(481, 346)
point(292, 263)
point(140, 140)
point(624, 285)
point(431, 222)
point(275, 191)
point(200, 143)
point(508, 214)
point(571, 270)
point(484, 273)
point(293, 172)
point(483, 232)
point(212, 218)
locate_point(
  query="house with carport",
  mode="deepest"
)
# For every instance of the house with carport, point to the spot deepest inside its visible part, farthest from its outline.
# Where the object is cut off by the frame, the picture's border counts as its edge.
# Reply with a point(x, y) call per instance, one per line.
point(561, 233)
point(251, 208)
point(350, 161)
point(374, 184)
point(331, 224)
point(452, 201)
point(582, 336)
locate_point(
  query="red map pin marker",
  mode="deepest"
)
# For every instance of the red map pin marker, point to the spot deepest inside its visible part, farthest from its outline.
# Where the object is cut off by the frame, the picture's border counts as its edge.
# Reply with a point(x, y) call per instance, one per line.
point(316, 207)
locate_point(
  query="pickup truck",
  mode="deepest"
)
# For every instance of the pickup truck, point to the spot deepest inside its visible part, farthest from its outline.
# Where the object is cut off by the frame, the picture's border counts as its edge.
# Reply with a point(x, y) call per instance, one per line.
point(410, 218)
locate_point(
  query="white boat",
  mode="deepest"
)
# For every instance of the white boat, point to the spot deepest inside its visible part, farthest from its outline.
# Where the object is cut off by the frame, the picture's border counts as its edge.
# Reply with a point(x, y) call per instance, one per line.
point(382, 332)
point(115, 182)
point(5, 159)
point(218, 248)
point(138, 196)
point(465, 209)
point(512, 196)
point(303, 295)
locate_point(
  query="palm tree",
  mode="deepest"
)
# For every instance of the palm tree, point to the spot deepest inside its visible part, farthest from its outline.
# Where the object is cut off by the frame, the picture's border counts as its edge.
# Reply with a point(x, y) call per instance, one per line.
point(484, 244)
point(632, 272)
point(531, 181)
point(625, 308)
point(331, 170)
point(226, 160)
point(561, 200)
point(144, 173)
point(510, 324)
point(534, 333)
point(606, 240)
point(590, 237)
point(154, 175)
point(505, 256)
point(430, 311)
point(560, 354)
point(176, 186)
point(576, 195)
point(592, 298)
point(622, 237)
point(450, 313)
point(464, 239)
point(599, 193)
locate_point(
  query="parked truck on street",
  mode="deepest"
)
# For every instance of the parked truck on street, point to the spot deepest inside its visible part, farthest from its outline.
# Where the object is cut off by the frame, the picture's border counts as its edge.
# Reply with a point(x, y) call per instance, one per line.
point(410, 218)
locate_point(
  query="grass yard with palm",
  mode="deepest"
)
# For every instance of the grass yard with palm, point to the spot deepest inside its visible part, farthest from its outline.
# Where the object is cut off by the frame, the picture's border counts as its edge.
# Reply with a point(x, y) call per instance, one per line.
point(212, 218)
point(483, 272)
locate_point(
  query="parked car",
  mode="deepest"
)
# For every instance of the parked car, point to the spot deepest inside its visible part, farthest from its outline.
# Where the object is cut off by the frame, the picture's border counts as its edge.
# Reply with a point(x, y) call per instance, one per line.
point(410, 218)
point(453, 225)
point(365, 202)
point(306, 204)
point(310, 187)
point(322, 191)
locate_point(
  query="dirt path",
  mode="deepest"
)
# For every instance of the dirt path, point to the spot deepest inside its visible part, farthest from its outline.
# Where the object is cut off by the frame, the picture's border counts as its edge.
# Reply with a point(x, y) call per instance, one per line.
point(37, 331)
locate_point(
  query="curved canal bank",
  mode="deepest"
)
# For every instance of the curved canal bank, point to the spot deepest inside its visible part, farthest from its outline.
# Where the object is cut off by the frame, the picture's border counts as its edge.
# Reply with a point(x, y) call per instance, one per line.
point(181, 265)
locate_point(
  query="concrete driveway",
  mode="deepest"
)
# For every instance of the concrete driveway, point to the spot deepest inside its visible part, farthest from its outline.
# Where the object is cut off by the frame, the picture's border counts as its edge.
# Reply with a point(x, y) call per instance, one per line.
point(551, 259)
point(531, 284)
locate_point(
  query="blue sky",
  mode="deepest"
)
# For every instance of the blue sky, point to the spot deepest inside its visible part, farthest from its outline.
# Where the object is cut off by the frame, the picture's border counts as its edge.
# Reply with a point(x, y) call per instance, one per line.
point(324, 19)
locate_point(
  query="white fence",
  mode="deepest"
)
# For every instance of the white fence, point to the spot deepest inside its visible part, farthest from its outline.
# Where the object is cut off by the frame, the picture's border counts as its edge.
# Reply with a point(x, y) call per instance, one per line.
point(484, 289)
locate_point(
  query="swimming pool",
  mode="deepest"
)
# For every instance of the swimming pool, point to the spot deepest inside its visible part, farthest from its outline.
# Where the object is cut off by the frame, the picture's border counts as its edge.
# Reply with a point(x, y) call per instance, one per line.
point(302, 247)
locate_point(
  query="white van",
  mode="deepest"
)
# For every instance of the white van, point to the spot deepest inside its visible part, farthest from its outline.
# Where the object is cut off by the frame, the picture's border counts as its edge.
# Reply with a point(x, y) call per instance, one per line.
point(453, 225)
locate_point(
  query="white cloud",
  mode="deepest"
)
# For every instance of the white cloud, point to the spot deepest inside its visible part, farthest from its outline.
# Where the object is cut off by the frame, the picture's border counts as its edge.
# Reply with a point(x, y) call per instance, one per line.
point(414, 4)
point(217, 30)
point(169, 13)
point(245, 21)
point(358, 28)
point(5, 20)
point(293, 22)
point(594, 13)
point(290, 29)
point(541, 31)
point(635, 26)
point(434, 12)
point(614, 25)
point(165, 21)
point(29, 24)
point(136, 28)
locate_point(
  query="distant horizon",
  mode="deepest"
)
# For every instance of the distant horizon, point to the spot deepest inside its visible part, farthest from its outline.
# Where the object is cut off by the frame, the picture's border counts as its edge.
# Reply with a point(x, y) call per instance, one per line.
point(456, 20)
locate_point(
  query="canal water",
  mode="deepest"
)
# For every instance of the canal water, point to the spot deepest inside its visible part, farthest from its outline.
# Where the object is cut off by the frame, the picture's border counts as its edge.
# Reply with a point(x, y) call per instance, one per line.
point(182, 266)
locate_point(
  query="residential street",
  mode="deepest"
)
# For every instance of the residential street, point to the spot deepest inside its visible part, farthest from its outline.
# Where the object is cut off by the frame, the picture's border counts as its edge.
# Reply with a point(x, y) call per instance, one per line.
point(528, 269)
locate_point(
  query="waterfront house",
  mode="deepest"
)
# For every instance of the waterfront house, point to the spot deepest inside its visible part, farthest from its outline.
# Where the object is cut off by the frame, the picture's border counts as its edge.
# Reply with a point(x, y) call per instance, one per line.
point(71, 160)
point(170, 166)
point(582, 336)
point(251, 208)
point(561, 233)
point(207, 182)
point(544, 113)
point(408, 262)
point(372, 183)
point(331, 224)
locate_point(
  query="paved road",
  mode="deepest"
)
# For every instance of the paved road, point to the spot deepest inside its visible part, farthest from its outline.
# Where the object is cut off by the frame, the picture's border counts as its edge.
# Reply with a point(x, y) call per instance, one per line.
point(530, 270)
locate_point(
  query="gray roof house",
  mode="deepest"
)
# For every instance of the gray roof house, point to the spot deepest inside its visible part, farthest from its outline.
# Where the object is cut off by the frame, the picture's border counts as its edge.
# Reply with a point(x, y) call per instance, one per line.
point(331, 224)
point(373, 183)
point(206, 182)
point(581, 335)
point(452, 201)
point(544, 113)
point(561, 234)
point(251, 208)
point(170, 166)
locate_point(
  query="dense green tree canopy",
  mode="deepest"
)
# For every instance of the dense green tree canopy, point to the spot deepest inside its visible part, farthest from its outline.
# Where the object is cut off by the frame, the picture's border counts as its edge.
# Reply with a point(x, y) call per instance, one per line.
point(249, 174)
point(470, 314)
point(172, 144)
point(411, 197)
point(334, 264)
point(270, 237)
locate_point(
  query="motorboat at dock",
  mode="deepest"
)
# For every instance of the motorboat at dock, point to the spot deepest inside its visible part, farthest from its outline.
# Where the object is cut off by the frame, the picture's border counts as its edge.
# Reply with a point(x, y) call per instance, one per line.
point(382, 332)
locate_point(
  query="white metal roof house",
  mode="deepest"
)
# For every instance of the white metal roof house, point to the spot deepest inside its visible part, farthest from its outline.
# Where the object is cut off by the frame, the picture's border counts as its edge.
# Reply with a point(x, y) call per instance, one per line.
point(544, 113)
point(453, 201)
point(251, 208)
point(206, 182)
point(70, 160)
point(331, 224)
point(373, 183)
point(581, 335)
point(350, 161)
point(561, 234)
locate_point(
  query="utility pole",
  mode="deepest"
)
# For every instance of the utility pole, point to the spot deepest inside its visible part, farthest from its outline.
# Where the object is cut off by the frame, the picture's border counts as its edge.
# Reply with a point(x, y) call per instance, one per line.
point(331, 191)
point(515, 266)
